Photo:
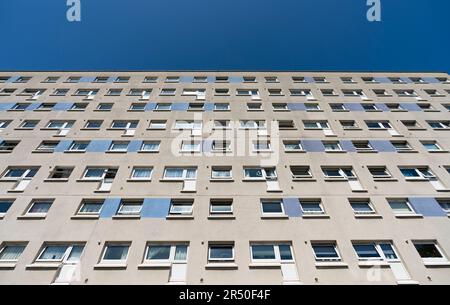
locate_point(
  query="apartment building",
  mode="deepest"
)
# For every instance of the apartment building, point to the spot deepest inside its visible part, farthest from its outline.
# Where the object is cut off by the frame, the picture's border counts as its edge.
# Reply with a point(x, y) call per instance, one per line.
point(224, 178)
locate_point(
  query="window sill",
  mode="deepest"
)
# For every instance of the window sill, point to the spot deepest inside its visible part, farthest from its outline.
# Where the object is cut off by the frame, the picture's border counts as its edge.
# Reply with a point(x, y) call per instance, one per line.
point(416, 129)
point(126, 216)
point(407, 151)
point(56, 180)
point(437, 264)
point(367, 151)
point(115, 152)
point(295, 151)
point(409, 216)
point(43, 266)
point(365, 216)
point(335, 151)
point(318, 216)
point(89, 129)
point(110, 266)
point(369, 264)
point(408, 282)
point(274, 217)
point(6, 266)
point(437, 151)
point(178, 217)
point(31, 217)
point(139, 180)
point(221, 266)
point(304, 179)
point(221, 180)
point(155, 266)
point(221, 217)
point(5, 151)
point(74, 151)
point(148, 151)
point(265, 265)
point(85, 217)
point(385, 179)
point(331, 265)
point(42, 151)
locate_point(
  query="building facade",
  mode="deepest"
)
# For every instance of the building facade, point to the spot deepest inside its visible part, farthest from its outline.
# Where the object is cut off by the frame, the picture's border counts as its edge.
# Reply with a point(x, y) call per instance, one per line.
point(224, 178)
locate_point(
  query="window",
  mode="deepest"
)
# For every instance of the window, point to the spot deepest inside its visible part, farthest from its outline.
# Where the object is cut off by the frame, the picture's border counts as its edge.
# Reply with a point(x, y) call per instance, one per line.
point(60, 92)
point(272, 207)
point(78, 107)
point(286, 124)
point(431, 146)
point(298, 79)
point(99, 173)
point(370, 107)
point(369, 79)
point(379, 172)
point(430, 252)
point(268, 252)
point(150, 146)
point(221, 79)
point(163, 107)
point(60, 252)
point(221, 106)
point(179, 173)
point(220, 252)
point(348, 125)
point(258, 173)
point(22, 79)
point(90, 207)
point(115, 253)
point(158, 252)
point(439, 124)
point(10, 252)
point(79, 146)
point(167, 91)
point(181, 207)
point(20, 106)
point(248, 92)
point(312, 107)
point(222, 91)
point(56, 124)
point(311, 206)
point(200, 79)
point(319, 79)
point(130, 207)
point(187, 124)
point(221, 207)
point(8, 145)
point(401, 206)
point(221, 124)
point(301, 92)
point(347, 80)
point(280, 107)
point(114, 92)
point(375, 251)
point(73, 79)
point(4, 124)
point(362, 146)
point(124, 124)
point(137, 106)
point(93, 124)
point(150, 79)
point(47, 146)
point(401, 146)
point(100, 79)
point(5, 204)
point(4, 79)
point(221, 145)
point(381, 92)
point(406, 93)
point(122, 79)
point(379, 125)
point(172, 79)
point(196, 107)
point(271, 79)
point(338, 173)
point(252, 124)
point(141, 173)
point(328, 92)
point(325, 252)
point(221, 172)
point(356, 92)
point(426, 107)
point(39, 207)
point(7, 91)
point(292, 146)
point(331, 146)
point(261, 146)
point(249, 79)
point(157, 124)
point(104, 107)
point(443, 202)
point(88, 93)
point(361, 206)
point(119, 146)
point(316, 124)
point(275, 92)
point(411, 124)
point(190, 146)
point(142, 93)
point(411, 173)
point(254, 107)
point(433, 93)
point(18, 173)
point(301, 172)
point(417, 80)
point(60, 173)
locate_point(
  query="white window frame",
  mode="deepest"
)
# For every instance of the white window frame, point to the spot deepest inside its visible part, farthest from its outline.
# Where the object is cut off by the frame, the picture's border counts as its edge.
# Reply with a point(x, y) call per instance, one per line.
point(336, 250)
point(276, 250)
point(172, 252)
point(230, 259)
point(114, 261)
point(280, 201)
point(65, 256)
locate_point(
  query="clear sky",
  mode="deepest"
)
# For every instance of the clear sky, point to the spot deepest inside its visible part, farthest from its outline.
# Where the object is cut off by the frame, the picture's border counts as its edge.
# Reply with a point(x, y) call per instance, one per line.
point(414, 35)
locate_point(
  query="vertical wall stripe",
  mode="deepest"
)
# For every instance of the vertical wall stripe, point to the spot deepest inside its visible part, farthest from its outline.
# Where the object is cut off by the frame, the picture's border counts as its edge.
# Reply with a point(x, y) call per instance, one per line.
point(63, 146)
point(6, 106)
point(309, 79)
point(111, 79)
point(406, 80)
point(209, 107)
point(207, 145)
point(134, 146)
point(150, 106)
point(110, 207)
point(180, 106)
point(382, 107)
point(411, 106)
point(33, 106)
point(347, 145)
point(383, 80)
point(236, 79)
point(427, 206)
point(296, 106)
point(87, 79)
point(155, 208)
point(186, 79)
point(292, 207)
point(62, 106)
point(313, 145)
point(211, 79)
point(12, 79)
point(431, 80)
point(382, 145)
point(98, 146)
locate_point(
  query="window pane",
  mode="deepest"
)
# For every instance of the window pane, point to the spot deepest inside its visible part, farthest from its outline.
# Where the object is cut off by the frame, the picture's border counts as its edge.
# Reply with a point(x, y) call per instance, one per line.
point(53, 252)
point(285, 252)
point(40, 207)
point(325, 251)
point(220, 252)
point(91, 207)
point(116, 252)
point(272, 207)
point(428, 251)
point(4, 206)
point(263, 252)
point(11, 252)
point(181, 252)
point(366, 251)
point(75, 254)
point(388, 251)
point(158, 252)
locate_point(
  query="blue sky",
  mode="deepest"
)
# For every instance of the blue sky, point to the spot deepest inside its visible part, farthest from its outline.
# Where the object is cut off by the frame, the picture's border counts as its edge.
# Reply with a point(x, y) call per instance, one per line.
point(326, 35)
